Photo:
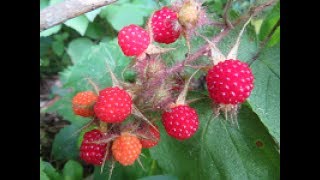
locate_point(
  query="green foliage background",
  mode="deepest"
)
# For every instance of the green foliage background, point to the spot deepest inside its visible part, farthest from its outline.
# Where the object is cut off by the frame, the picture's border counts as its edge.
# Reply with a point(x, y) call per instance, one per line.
point(81, 48)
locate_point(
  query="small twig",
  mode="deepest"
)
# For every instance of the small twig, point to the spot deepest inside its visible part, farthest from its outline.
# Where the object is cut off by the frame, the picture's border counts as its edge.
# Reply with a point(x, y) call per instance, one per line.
point(68, 9)
point(216, 23)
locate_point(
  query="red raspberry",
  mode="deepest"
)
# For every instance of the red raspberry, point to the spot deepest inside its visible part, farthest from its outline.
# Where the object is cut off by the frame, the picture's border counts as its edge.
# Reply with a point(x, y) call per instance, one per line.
point(113, 105)
point(181, 122)
point(164, 26)
point(126, 149)
point(82, 103)
point(133, 40)
point(90, 152)
point(149, 132)
point(230, 82)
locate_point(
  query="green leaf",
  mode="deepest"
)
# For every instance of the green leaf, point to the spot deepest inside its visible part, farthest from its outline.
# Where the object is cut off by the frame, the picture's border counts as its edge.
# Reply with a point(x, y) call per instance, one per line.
point(78, 48)
point(120, 15)
point(269, 22)
point(61, 36)
point(226, 152)
point(265, 97)
point(47, 171)
point(92, 14)
point(52, 2)
point(72, 170)
point(43, 4)
point(58, 47)
point(275, 38)
point(50, 31)
point(79, 24)
point(43, 176)
point(45, 44)
point(65, 143)
point(95, 31)
point(159, 177)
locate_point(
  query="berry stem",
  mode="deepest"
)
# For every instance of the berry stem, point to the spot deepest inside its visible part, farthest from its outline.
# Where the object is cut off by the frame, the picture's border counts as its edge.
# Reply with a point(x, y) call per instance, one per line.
point(103, 127)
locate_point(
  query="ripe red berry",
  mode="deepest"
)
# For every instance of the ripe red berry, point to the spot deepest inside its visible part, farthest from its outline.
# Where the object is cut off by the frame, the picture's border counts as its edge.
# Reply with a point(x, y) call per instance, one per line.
point(126, 149)
point(82, 103)
point(181, 122)
point(90, 152)
point(230, 82)
point(113, 105)
point(133, 40)
point(149, 132)
point(165, 26)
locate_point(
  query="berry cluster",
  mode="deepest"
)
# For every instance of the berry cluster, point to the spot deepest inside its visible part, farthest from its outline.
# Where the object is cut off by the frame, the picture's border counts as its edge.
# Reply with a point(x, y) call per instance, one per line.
point(121, 112)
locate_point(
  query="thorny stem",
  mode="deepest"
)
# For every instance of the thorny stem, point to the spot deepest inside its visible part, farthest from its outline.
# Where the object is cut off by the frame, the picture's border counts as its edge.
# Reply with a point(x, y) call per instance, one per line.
point(265, 41)
point(218, 24)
